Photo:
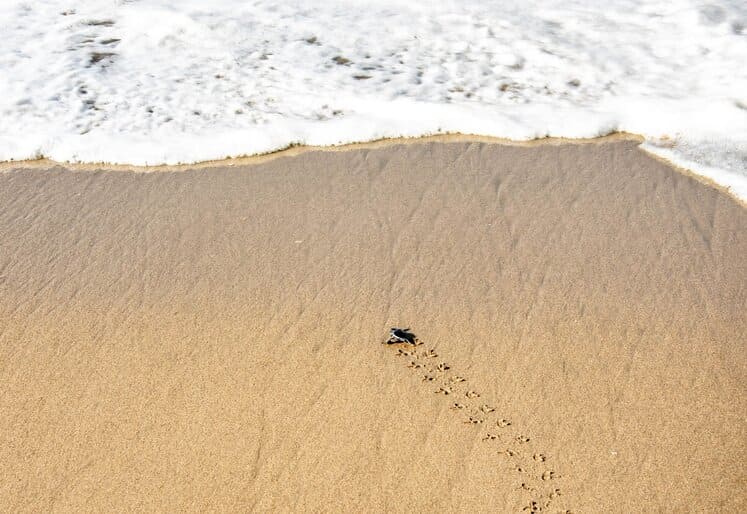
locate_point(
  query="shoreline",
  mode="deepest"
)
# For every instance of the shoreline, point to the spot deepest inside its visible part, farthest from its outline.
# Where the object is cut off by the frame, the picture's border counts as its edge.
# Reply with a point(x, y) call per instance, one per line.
point(295, 150)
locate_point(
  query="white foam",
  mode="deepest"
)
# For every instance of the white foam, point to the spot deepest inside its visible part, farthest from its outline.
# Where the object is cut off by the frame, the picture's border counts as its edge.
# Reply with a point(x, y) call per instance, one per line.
point(162, 82)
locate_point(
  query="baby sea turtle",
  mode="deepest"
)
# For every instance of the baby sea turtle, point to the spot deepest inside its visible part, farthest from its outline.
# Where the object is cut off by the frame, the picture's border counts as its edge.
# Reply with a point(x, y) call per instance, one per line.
point(401, 335)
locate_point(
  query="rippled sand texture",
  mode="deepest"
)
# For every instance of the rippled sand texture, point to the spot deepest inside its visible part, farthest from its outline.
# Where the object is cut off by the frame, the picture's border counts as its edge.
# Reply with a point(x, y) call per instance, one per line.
point(210, 339)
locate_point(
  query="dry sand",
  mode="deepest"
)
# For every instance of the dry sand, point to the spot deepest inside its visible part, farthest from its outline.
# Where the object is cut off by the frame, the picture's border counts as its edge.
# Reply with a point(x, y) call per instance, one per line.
point(208, 340)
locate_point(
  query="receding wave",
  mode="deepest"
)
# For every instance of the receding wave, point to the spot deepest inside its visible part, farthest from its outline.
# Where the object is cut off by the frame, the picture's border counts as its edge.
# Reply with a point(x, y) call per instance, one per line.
point(160, 82)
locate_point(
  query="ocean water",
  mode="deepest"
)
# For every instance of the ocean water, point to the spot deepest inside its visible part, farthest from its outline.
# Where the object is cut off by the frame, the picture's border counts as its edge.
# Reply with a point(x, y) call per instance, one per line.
point(164, 82)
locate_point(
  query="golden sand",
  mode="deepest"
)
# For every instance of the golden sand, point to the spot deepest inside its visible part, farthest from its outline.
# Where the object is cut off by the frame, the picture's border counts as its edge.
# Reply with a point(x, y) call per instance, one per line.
point(210, 339)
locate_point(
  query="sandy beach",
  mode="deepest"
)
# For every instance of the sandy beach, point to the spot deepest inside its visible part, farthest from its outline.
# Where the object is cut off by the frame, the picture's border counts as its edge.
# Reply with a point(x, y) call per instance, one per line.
point(209, 339)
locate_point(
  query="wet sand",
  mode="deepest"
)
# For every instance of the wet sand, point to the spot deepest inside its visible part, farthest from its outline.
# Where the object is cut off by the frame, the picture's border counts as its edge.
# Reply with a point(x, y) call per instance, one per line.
point(209, 339)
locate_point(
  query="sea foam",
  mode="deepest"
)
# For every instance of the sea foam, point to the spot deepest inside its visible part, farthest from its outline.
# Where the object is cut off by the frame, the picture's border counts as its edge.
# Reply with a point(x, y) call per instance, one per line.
point(162, 82)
